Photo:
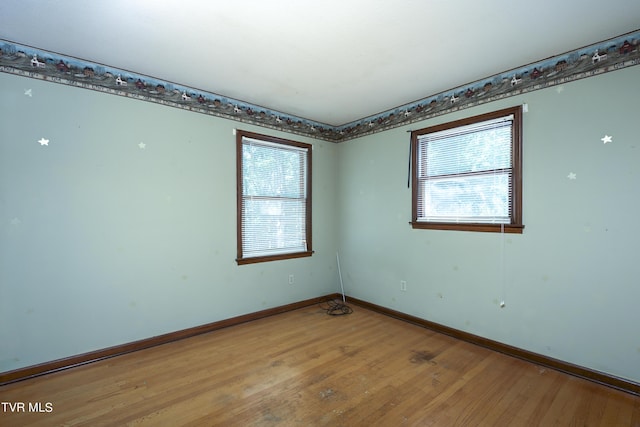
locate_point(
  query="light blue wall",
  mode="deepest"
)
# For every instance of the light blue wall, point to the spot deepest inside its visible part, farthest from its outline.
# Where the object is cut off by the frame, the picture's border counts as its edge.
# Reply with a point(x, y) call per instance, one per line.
point(103, 243)
point(571, 282)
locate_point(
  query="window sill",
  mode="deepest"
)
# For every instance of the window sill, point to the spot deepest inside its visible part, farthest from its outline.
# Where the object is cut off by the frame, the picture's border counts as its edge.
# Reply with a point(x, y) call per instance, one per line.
point(253, 260)
point(486, 228)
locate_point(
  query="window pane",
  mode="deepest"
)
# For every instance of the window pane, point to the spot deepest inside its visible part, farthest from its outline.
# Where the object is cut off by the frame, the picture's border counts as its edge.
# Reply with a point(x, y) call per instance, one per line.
point(470, 152)
point(475, 198)
point(273, 226)
point(270, 171)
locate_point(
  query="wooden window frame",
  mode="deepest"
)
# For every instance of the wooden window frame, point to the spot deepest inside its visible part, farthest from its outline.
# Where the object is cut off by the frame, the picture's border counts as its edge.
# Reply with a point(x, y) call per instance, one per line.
point(241, 258)
point(516, 225)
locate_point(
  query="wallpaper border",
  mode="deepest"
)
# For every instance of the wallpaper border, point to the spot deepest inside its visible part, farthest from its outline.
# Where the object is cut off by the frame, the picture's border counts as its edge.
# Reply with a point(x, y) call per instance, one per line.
point(606, 56)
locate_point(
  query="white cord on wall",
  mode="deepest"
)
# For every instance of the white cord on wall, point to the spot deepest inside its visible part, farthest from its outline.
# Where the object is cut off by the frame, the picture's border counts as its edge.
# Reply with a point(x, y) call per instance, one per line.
point(344, 300)
point(502, 268)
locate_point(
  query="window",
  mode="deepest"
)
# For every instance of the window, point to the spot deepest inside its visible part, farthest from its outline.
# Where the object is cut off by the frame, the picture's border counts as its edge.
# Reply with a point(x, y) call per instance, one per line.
point(273, 198)
point(467, 174)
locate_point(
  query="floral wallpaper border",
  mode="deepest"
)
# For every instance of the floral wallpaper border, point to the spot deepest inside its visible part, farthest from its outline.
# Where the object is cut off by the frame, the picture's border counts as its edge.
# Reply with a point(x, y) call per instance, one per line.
point(614, 54)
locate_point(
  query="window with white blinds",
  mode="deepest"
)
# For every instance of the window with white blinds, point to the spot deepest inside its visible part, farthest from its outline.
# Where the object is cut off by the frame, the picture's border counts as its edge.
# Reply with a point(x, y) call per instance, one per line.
point(274, 198)
point(467, 174)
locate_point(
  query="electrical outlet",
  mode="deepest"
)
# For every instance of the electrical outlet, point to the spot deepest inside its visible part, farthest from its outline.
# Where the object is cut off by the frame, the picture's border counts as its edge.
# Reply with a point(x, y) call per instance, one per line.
point(291, 279)
point(403, 285)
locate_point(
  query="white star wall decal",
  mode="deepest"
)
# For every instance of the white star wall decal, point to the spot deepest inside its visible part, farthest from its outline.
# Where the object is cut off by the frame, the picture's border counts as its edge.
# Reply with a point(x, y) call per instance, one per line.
point(606, 139)
point(43, 141)
point(571, 175)
point(28, 92)
point(142, 145)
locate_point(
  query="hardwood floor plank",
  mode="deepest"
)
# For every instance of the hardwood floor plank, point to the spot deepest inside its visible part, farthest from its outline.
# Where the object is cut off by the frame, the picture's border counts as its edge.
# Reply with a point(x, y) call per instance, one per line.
point(306, 368)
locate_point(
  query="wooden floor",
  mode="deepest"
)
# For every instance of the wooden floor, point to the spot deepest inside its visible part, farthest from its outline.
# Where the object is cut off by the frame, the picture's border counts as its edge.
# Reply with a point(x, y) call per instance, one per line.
point(305, 368)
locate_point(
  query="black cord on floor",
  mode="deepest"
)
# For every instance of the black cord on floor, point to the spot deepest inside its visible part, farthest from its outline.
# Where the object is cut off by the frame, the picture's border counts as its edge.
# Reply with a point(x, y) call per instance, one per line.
point(335, 308)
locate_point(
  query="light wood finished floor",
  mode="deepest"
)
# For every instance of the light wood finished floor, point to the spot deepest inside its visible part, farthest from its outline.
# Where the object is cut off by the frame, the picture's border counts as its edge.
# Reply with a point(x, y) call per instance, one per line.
point(305, 368)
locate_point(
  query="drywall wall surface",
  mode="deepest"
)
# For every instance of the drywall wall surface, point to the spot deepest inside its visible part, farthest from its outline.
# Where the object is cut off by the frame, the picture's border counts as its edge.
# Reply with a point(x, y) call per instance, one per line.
point(118, 223)
point(570, 282)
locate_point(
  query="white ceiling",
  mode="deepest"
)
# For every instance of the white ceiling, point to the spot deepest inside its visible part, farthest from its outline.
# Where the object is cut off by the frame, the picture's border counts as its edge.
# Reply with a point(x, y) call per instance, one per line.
point(331, 61)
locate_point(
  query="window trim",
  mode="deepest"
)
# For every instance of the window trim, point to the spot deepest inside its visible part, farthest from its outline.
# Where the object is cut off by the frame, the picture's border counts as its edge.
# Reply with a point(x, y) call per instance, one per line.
point(241, 260)
point(516, 225)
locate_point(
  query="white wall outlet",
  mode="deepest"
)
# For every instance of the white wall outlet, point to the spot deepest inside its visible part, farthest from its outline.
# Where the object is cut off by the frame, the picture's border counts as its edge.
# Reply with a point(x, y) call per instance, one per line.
point(291, 279)
point(403, 285)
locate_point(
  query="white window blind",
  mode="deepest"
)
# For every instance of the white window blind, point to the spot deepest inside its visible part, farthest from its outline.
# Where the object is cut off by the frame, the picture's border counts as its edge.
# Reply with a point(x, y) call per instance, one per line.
point(465, 174)
point(274, 198)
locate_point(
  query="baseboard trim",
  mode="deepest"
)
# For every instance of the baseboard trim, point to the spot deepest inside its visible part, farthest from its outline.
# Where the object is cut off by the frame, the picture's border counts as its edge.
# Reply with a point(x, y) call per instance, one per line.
point(539, 359)
point(94, 356)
